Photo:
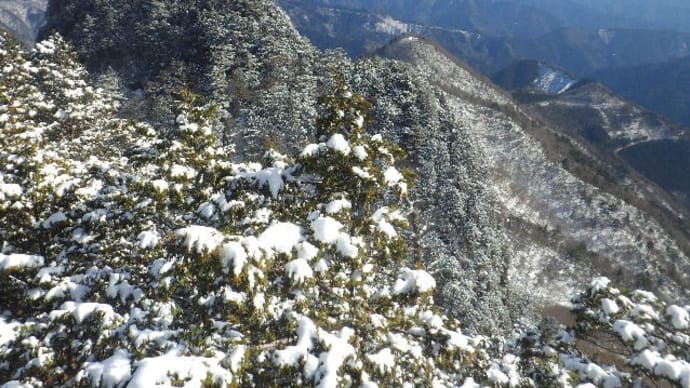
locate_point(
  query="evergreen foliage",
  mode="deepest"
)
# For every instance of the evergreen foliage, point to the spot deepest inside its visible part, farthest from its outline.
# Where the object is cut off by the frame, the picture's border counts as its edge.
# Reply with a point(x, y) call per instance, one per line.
point(266, 80)
point(139, 255)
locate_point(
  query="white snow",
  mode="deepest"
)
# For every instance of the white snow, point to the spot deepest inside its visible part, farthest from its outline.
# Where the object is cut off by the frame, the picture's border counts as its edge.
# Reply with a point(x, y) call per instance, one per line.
point(54, 219)
point(330, 361)
point(306, 251)
point(282, 237)
point(7, 331)
point(609, 306)
point(233, 253)
point(291, 355)
point(326, 229)
point(45, 47)
point(629, 331)
point(16, 261)
point(345, 247)
point(664, 366)
point(271, 177)
point(236, 357)
point(206, 210)
point(383, 359)
point(299, 270)
point(10, 190)
point(470, 383)
point(359, 121)
point(360, 152)
point(496, 376)
point(599, 284)
point(112, 372)
point(160, 370)
point(200, 239)
point(680, 319)
point(413, 281)
point(382, 224)
point(179, 171)
point(148, 239)
point(553, 81)
point(338, 205)
point(90, 191)
point(338, 143)
point(392, 176)
point(361, 172)
point(81, 311)
point(310, 150)
point(160, 185)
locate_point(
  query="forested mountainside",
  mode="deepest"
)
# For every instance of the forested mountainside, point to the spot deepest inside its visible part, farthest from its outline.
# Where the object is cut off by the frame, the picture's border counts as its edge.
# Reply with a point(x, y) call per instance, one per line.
point(654, 86)
point(216, 202)
point(270, 102)
point(655, 147)
point(566, 214)
point(534, 76)
point(23, 17)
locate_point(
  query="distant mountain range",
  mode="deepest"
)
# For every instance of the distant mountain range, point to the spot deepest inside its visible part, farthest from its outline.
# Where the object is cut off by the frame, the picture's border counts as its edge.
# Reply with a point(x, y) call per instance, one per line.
point(645, 65)
point(487, 47)
point(532, 18)
point(662, 87)
point(618, 129)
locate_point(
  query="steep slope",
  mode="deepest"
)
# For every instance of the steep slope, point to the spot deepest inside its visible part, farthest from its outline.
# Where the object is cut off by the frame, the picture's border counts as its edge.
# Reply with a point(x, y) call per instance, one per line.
point(139, 255)
point(655, 147)
point(23, 18)
point(484, 149)
point(268, 80)
point(656, 86)
point(561, 225)
point(534, 75)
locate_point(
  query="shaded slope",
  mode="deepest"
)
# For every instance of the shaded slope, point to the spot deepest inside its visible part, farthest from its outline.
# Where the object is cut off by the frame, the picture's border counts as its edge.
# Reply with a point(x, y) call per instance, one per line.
point(531, 74)
point(654, 146)
point(661, 87)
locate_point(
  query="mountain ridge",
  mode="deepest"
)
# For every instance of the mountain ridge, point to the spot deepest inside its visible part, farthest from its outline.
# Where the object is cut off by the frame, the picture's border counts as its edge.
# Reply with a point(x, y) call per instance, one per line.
point(247, 216)
point(492, 143)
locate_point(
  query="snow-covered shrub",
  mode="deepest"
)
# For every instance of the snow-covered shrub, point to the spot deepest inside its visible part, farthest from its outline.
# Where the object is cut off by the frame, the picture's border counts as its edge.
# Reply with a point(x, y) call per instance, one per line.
point(136, 255)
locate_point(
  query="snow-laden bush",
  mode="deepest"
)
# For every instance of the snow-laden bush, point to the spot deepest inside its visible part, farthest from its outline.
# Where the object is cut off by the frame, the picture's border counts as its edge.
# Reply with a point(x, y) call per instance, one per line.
point(134, 255)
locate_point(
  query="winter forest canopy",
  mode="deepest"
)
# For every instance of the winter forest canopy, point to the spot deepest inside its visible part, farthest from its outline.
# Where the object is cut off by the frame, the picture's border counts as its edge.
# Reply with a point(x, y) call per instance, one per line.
point(160, 239)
